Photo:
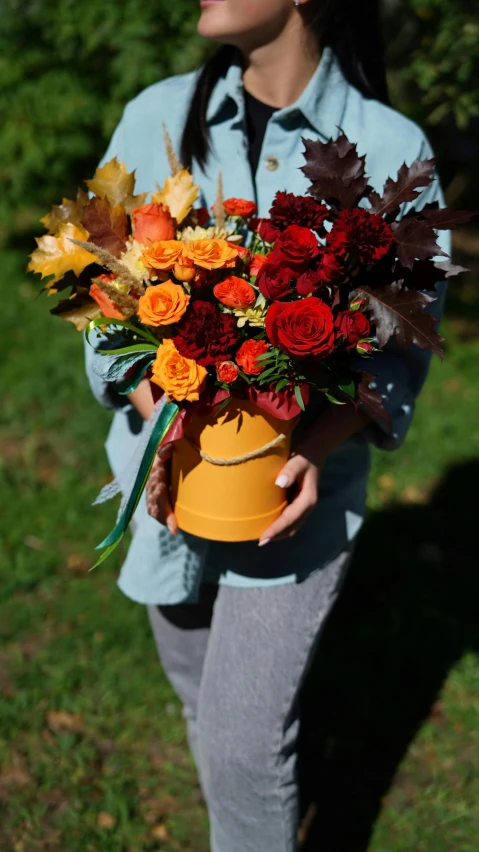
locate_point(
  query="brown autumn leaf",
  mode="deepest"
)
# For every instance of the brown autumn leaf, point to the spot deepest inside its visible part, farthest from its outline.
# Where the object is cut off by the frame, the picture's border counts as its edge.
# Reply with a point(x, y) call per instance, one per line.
point(107, 225)
point(16, 773)
point(415, 240)
point(336, 171)
point(410, 180)
point(57, 255)
point(160, 832)
point(79, 309)
point(61, 720)
point(105, 820)
point(401, 315)
point(67, 211)
point(372, 400)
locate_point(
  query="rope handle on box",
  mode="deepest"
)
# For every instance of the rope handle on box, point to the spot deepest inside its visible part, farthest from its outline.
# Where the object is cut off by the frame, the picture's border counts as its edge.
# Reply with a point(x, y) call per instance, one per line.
point(254, 454)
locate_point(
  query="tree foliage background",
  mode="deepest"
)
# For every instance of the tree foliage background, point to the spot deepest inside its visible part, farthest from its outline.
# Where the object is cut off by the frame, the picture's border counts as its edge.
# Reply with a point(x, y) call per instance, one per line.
point(68, 68)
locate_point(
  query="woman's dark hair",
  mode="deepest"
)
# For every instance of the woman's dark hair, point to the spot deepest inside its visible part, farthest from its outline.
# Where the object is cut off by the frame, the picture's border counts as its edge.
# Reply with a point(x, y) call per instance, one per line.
point(352, 28)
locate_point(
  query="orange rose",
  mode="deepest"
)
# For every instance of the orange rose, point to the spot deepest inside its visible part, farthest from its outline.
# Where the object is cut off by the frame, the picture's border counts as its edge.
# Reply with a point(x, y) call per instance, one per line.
point(247, 354)
point(239, 207)
point(184, 270)
point(163, 254)
point(108, 307)
point(211, 254)
point(227, 372)
point(180, 377)
point(257, 261)
point(151, 223)
point(235, 292)
point(163, 304)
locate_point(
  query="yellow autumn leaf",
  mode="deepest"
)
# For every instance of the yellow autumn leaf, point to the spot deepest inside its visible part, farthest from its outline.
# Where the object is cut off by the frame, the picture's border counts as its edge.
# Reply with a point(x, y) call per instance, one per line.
point(178, 194)
point(56, 255)
point(67, 211)
point(112, 181)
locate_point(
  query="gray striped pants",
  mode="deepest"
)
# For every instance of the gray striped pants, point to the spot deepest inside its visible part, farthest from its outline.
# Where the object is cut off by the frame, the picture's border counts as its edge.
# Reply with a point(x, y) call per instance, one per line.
point(237, 660)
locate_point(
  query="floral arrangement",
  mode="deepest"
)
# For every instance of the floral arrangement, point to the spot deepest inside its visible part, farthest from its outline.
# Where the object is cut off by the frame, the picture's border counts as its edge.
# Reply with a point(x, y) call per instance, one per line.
point(211, 307)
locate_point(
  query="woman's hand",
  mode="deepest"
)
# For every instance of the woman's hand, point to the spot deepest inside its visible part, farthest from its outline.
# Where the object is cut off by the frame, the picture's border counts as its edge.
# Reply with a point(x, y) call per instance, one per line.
point(303, 468)
point(302, 472)
point(158, 492)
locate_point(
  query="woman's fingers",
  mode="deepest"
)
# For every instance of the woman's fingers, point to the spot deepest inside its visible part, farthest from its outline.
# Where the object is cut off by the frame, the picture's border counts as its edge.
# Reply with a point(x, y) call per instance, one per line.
point(157, 496)
point(165, 451)
point(295, 513)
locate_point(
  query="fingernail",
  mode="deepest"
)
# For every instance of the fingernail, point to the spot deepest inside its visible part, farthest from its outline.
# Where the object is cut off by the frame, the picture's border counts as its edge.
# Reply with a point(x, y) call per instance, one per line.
point(282, 480)
point(263, 541)
point(171, 526)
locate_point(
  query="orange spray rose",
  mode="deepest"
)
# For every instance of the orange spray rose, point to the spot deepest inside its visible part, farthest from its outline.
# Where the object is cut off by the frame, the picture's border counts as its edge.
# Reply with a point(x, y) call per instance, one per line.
point(235, 292)
point(247, 354)
point(163, 254)
point(163, 304)
point(211, 254)
point(227, 372)
point(239, 207)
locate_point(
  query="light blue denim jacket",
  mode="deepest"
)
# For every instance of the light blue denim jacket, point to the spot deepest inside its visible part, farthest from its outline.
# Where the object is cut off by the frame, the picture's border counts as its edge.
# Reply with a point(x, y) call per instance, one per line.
point(165, 569)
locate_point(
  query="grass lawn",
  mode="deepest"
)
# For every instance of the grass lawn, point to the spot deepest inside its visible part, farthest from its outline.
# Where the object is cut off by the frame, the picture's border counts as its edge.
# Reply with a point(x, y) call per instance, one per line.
point(92, 742)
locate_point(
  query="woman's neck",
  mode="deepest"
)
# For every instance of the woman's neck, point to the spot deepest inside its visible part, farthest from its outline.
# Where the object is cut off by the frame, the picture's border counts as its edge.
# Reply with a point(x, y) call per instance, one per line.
point(277, 73)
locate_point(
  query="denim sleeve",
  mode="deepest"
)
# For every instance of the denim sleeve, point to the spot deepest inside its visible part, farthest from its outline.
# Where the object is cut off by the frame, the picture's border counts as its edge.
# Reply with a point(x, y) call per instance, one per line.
point(399, 374)
point(102, 390)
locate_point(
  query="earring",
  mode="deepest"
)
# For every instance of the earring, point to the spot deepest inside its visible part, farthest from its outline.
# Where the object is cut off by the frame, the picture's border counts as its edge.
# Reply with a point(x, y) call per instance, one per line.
point(296, 2)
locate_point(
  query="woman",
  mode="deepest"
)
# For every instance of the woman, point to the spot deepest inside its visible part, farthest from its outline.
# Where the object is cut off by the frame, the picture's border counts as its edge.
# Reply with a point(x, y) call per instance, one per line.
point(236, 625)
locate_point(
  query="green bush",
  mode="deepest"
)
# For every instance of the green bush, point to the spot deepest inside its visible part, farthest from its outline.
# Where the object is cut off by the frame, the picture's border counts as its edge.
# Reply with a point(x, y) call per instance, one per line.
point(67, 69)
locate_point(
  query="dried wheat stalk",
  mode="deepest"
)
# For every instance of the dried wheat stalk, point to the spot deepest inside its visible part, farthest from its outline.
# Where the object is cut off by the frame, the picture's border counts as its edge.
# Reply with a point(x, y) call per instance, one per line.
point(218, 207)
point(112, 263)
point(174, 163)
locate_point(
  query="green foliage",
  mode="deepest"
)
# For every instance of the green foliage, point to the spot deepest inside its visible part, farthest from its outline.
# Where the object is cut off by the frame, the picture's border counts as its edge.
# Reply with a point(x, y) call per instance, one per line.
point(433, 58)
point(90, 729)
point(66, 71)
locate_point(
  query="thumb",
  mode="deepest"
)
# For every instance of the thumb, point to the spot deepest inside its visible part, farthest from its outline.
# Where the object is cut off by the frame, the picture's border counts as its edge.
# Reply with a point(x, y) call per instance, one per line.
point(165, 451)
point(290, 472)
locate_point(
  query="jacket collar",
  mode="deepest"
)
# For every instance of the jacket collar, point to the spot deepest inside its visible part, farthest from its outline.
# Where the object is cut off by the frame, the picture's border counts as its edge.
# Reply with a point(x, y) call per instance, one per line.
point(322, 103)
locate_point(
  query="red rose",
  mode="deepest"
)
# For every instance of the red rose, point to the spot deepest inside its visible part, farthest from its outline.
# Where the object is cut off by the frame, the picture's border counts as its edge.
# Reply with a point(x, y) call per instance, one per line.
point(242, 251)
point(268, 231)
point(326, 271)
point(274, 281)
point(303, 329)
point(227, 372)
point(297, 245)
point(247, 354)
point(152, 223)
point(363, 236)
point(206, 334)
point(290, 209)
point(353, 325)
point(239, 207)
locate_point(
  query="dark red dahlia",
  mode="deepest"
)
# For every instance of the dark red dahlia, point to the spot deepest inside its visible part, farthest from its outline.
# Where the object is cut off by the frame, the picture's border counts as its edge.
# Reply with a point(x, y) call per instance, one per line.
point(366, 237)
point(206, 334)
point(290, 209)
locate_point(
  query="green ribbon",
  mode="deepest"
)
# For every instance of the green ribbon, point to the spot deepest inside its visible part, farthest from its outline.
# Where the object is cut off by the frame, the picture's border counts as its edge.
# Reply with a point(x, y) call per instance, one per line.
point(165, 420)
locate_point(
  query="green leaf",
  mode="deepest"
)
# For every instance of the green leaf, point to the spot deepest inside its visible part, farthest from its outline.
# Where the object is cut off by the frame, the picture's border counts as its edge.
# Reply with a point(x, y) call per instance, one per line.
point(333, 398)
point(281, 384)
point(350, 388)
point(299, 397)
point(135, 347)
point(140, 332)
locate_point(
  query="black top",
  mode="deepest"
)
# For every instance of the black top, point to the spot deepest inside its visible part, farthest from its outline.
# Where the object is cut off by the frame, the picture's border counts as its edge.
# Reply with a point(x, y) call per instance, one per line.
point(257, 116)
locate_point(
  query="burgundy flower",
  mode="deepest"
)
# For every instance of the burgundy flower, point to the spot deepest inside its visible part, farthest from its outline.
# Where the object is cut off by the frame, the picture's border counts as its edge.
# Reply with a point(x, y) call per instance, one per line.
point(206, 334)
point(353, 326)
point(289, 209)
point(364, 236)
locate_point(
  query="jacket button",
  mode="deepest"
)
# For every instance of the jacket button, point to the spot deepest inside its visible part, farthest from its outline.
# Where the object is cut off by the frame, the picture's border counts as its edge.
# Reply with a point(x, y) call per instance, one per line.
point(272, 164)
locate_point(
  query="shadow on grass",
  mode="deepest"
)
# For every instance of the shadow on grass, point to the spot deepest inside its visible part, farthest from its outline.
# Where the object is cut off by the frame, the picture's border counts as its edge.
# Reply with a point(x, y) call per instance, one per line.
point(407, 612)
